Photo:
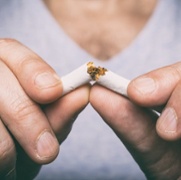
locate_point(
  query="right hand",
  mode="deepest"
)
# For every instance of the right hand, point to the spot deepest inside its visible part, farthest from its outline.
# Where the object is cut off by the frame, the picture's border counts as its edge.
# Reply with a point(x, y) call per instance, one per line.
point(27, 131)
point(135, 126)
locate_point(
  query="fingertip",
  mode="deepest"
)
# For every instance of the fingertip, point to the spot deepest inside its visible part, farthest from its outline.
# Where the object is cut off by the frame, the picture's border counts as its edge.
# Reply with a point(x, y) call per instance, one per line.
point(95, 93)
point(167, 125)
point(103, 99)
point(167, 135)
point(143, 91)
point(86, 93)
point(47, 147)
point(81, 96)
point(48, 87)
point(155, 87)
point(46, 80)
point(144, 85)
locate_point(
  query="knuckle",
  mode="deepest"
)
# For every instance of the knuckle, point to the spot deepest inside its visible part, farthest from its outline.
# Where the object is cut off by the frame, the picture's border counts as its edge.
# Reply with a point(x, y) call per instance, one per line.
point(28, 60)
point(22, 107)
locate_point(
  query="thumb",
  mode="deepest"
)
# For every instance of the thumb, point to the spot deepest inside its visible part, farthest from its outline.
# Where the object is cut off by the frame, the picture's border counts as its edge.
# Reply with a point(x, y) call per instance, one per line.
point(155, 87)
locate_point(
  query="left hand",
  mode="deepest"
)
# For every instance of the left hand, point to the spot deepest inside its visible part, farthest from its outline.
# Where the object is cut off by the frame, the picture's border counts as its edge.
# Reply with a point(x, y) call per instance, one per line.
point(153, 141)
point(28, 129)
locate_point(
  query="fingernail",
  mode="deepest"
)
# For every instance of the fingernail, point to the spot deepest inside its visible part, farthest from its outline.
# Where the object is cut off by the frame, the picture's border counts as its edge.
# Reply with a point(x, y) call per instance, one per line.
point(168, 121)
point(145, 85)
point(46, 80)
point(46, 145)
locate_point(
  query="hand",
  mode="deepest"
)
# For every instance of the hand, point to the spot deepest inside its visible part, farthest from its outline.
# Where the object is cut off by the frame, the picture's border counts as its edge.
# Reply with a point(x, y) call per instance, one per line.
point(153, 141)
point(61, 115)
point(27, 130)
point(161, 89)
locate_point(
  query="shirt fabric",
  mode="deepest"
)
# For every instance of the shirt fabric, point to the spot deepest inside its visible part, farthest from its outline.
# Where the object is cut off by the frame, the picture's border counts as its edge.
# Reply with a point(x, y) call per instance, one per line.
point(92, 151)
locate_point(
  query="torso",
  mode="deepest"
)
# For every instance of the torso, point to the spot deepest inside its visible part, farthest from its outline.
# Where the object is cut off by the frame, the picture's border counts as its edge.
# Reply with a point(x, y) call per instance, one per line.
point(104, 34)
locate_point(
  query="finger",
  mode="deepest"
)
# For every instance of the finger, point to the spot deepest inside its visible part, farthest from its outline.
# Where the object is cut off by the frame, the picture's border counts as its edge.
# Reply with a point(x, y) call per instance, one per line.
point(135, 126)
point(155, 88)
point(25, 120)
point(169, 123)
point(63, 112)
point(117, 112)
point(7, 154)
point(37, 78)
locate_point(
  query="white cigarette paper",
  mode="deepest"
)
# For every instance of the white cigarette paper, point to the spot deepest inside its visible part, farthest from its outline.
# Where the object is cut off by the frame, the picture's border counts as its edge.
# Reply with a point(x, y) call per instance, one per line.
point(75, 79)
point(89, 72)
point(114, 82)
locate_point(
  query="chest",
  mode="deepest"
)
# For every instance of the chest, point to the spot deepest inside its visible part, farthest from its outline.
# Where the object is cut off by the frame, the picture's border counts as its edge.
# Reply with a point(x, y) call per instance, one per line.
point(103, 39)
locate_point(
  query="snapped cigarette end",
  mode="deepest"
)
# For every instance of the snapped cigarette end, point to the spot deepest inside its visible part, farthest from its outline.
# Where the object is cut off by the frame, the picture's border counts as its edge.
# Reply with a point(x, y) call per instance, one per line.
point(108, 79)
point(95, 72)
point(89, 72)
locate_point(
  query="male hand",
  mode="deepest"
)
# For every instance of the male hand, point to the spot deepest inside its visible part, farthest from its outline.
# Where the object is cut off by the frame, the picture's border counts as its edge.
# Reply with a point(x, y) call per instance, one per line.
point(28, 130)
point(153, 141)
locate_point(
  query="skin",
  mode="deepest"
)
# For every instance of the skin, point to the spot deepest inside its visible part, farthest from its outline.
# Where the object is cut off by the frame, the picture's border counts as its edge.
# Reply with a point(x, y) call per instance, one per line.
point(32, 105)
point(33, 120)
point(156, 151)
point(94, 24)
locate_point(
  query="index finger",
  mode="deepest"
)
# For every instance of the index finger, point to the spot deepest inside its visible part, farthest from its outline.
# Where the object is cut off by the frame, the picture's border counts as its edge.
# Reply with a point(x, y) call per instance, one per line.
point(37, 78)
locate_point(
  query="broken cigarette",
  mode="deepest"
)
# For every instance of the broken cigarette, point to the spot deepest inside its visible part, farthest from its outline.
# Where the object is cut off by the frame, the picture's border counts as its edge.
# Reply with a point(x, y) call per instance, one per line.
point(109, 79)
point(89, 72)
point(114, 82)
point(75, 79)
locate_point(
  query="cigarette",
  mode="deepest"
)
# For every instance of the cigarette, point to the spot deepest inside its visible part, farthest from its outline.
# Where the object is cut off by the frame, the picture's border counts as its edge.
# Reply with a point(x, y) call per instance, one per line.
point(109, 79)
point(90, 73)
point(114, 82)
point(75, 79)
